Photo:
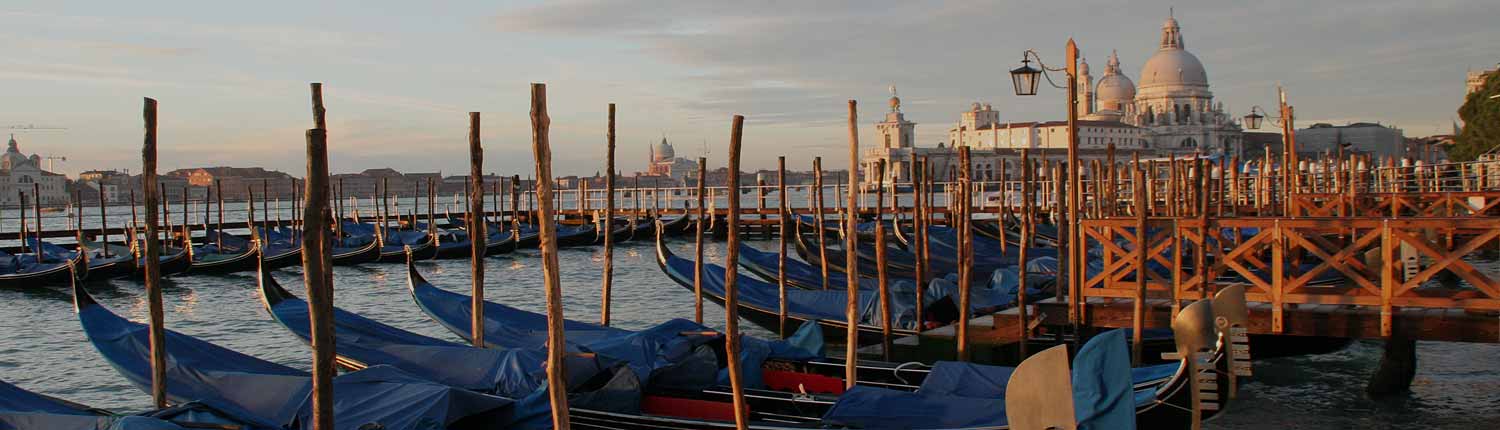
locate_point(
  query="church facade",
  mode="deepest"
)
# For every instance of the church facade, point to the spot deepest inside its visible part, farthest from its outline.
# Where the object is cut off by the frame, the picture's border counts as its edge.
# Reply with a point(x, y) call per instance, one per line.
point(1171, 113)
point(666, 163)
point(20, 173)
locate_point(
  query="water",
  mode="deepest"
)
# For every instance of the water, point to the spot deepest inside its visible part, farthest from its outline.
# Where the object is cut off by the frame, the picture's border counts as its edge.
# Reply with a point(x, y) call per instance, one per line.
point(43, 348)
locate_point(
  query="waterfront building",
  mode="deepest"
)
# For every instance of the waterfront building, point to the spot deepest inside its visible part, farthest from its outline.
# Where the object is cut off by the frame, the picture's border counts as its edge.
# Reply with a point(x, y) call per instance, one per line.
point(1476, 79)
point(1171, 113)
point(1363, 137)
point(20, 173)
point(665, 162)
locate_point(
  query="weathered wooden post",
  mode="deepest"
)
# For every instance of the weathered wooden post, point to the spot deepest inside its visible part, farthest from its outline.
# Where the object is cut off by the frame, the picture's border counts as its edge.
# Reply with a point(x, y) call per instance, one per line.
point(965, 251)
point(731, 290)
point(556, 345)
point(1138, 316)
point(609, 216)
point(851, 254)
point(817, 196)
point(317, 265)
point(1024, 243)
point(698, 246)
point(477, 232)
point(103, 223)
point(880, 259)
point(784, 218)
point(158, 332)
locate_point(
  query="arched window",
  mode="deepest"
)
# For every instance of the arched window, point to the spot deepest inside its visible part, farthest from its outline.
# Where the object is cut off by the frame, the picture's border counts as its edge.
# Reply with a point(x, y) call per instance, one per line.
point(25, 179)
point(1187, 112)
point(1150, 115)
point(1189, 143)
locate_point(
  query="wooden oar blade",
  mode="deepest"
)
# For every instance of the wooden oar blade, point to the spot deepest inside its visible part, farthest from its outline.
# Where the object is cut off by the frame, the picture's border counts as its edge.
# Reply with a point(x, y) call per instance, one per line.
point(1039, 395)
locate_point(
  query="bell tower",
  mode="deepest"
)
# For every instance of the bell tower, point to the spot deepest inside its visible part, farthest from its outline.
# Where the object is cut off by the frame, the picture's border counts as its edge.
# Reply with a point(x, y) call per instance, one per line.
point(896, 131)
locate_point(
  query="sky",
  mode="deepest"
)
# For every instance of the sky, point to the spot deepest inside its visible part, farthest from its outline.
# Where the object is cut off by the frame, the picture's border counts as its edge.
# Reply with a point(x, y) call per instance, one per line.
point(399, 77)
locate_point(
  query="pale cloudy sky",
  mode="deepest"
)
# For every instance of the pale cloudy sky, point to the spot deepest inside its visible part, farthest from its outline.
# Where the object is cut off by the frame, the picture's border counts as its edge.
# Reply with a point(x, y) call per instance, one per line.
point(399, 76)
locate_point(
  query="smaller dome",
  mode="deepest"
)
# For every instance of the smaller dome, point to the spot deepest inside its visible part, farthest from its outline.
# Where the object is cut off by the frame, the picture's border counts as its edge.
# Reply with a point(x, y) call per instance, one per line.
point(1115, 88)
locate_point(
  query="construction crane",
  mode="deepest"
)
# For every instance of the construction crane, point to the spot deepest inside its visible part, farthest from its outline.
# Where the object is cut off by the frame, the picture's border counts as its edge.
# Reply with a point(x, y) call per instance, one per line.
point(26, 128)
point(23, 128)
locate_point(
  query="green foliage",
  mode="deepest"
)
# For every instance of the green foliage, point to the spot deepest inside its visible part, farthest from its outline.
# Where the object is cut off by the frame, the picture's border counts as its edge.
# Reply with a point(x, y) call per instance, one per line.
point(1481, 116)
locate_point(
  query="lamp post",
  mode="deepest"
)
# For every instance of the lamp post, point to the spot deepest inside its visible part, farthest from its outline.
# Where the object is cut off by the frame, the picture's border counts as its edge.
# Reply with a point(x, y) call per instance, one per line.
point(1288, 144)
point(1024, 79)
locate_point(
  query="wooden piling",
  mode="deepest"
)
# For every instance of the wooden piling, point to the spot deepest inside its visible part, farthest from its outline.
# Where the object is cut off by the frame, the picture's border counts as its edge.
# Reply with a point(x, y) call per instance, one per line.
point(965, 249)
point(609, 214)
point(785, 216)
point(1138, 319)
point(919, 227)
point(851, 254)
point(317, 272)
point(556, 345)
point(731, 274)
point(477, 233)
point(103, 222)
point(817, 196)
point(158, 334)
point(698, 245)
point(1027, 170)
point(880, 260)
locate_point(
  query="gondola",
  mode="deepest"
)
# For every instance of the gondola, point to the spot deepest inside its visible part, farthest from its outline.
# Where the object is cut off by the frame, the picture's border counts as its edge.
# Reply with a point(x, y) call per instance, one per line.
point(172, 261)
point(676, 225)
point(24, 271)
point(21, 409)
point(579, 235)
point(760, 301)
point(113, 266)
point(394, 248)
point(349, 256)
point(269, 395)
point(223, 253)
point(667, 364)
point(1155, 384)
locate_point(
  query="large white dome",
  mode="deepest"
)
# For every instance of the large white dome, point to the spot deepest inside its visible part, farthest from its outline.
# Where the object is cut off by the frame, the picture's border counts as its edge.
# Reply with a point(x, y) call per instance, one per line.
point(1173, 66)
point(663, 151)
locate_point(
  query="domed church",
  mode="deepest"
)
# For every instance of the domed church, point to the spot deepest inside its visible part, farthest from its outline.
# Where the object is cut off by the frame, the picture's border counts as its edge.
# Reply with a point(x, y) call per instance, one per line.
point(1173, 100)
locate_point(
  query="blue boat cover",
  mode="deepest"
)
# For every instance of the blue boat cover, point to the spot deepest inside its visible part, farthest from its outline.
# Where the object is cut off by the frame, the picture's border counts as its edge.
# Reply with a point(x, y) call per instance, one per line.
point(970, 395)
point(804, 275)
point(666, 354)
point(269, 395)
point(514, 372)
point(803, 304)
point(1102, 386)
point(21, 409)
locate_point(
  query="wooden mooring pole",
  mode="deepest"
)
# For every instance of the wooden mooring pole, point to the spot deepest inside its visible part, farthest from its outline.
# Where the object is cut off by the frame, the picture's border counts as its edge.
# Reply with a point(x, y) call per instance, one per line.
point(784, 215)
point(817, 196)
point(477, 233)
point(731, 274)
point(317, 272)
point(556, 345)
point(158, 332)
point(880, 260)
point(698, 245)
point(609, 216)
point(851, 254)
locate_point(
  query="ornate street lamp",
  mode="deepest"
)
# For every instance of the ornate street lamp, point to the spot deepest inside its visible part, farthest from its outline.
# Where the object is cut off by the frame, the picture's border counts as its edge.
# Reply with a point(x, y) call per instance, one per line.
point(1252, 121)
point(1024, 77)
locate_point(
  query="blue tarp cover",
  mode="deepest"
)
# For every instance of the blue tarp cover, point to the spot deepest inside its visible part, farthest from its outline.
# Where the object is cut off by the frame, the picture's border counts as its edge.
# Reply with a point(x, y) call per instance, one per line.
point(270, 395)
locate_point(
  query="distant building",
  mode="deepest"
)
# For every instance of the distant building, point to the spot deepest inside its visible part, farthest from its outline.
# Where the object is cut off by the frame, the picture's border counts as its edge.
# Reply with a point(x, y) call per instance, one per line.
point(665, 162)
point(1476, 79)
point(1255, 143)
point(1171, 113)
point(114, 183)
point(1364, 137)
point(20, 173)
point(235, 183)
